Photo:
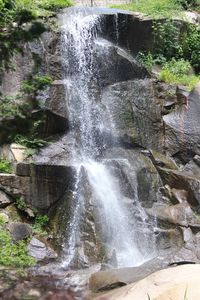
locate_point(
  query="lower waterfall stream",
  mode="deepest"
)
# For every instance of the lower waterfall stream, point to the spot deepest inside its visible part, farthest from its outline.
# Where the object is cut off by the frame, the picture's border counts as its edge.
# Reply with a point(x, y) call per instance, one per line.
point(122, 232)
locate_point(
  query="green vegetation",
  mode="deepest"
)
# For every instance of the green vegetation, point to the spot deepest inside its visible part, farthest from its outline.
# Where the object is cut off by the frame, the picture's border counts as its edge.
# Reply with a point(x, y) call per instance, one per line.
point(21, 21)
point(30, 142)
point(13, 254)
point(158, 8)
point(5, 166)
point(21, 204)
point(178, 72)
point(15, 109)
point(153, 8)
point(40, 223)
point(35, 83)
point(177, 52)
point(146, 60)
point(170, 43)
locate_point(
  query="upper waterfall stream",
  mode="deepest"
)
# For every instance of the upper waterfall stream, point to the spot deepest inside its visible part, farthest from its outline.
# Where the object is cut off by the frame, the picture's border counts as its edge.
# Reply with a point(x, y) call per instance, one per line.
point(119, 232)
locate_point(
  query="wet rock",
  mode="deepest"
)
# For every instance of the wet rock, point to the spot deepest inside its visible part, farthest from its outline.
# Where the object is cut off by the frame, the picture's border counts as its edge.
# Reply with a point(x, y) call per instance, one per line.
point(136, 112)
point(56, 101)
point(107, 280)
point(115, 64)
point(40, 251)
point(5, 200)
point(19, 231)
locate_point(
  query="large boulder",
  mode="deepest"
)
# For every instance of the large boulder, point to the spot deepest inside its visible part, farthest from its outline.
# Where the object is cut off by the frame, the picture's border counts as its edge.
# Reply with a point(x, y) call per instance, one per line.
point(172, 283)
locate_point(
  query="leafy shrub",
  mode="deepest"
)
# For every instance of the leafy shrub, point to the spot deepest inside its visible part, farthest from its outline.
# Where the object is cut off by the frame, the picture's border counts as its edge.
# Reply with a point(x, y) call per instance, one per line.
point(5, 166)
point(166, 39)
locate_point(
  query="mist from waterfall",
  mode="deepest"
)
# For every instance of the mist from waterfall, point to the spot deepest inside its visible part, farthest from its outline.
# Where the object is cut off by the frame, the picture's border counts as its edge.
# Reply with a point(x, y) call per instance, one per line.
point(89, 120)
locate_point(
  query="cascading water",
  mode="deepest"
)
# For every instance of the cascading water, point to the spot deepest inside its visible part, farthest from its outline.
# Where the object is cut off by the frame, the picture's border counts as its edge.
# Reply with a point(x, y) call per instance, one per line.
point(119, 230)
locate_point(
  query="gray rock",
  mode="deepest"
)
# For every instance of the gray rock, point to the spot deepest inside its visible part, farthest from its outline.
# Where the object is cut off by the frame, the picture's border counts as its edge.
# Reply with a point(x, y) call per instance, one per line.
point(107, 280)
point(180, 214)
point(136, 113)
point(45, 185)
point(40, 251)
point(19, 231)
point(184, 181)
point(182, 127)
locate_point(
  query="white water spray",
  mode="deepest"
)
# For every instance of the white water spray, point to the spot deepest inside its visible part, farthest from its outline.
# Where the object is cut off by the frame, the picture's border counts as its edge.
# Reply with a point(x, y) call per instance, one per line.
point(118, 228)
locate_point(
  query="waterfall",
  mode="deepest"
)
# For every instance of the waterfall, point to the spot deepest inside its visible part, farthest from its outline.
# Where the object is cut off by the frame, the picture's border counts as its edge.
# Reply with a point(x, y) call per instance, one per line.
point(120, 233)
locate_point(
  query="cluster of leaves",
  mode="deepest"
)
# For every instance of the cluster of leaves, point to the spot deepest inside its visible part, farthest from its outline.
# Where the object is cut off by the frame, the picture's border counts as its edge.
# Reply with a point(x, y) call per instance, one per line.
point(13, 254)
point(5, 166)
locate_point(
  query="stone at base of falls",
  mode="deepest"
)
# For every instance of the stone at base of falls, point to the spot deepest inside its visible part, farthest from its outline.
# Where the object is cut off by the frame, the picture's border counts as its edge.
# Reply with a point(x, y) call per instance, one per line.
point(40, 251)
point(110, 279)
point(175, 283)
